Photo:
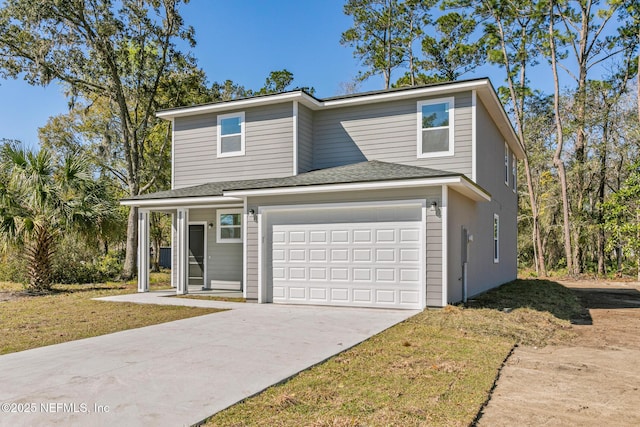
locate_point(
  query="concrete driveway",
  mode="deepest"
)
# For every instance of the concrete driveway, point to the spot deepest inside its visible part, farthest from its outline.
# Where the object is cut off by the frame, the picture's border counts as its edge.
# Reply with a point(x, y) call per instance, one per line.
point(177, 373)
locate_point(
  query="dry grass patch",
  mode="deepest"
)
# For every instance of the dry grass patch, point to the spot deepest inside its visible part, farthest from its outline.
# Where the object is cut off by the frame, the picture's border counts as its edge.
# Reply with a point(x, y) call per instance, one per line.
point(69, 313)
point(435, 368)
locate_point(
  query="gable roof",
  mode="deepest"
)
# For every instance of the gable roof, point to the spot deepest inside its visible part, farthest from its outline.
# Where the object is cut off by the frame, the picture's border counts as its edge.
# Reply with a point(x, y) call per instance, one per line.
point(483, 87)
point(359, 173)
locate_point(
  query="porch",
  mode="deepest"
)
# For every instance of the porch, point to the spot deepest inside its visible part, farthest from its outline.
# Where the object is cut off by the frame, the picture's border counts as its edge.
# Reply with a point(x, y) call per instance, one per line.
point(207, 249)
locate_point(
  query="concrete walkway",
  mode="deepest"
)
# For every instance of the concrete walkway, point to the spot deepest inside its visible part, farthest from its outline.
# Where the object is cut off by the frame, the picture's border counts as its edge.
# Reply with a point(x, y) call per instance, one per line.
point(181, 372)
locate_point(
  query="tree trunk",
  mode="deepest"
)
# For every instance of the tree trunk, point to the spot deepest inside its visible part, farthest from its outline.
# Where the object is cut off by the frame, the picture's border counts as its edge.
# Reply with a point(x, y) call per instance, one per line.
point(602, 180)
point(39, 256)
point(541, 270)
point(130, 267)
point(155, 262)
point(518, 100)
point(638, 238)
point(557, 159)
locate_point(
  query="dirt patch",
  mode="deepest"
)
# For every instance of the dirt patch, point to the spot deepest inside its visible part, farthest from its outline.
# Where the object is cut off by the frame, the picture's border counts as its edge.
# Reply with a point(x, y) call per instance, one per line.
point(10, 296)
point(591, 382)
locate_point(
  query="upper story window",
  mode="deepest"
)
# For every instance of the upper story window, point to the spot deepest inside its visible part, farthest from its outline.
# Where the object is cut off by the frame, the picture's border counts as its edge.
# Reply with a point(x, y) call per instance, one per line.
point(506, 164)
point(231, 135)
point(435, 127)
point(229, 229)
point(514, 173)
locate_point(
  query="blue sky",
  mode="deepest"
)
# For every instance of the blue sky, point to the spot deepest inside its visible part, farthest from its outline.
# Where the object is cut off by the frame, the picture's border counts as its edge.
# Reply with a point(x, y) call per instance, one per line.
point(241, 40)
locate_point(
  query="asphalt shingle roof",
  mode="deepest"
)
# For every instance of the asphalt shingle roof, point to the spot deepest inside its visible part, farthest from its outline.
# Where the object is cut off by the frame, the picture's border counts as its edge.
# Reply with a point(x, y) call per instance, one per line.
point(359, 172)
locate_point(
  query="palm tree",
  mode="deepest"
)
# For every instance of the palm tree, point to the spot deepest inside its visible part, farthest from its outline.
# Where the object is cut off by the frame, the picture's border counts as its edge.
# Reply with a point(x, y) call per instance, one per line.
point(42, 197)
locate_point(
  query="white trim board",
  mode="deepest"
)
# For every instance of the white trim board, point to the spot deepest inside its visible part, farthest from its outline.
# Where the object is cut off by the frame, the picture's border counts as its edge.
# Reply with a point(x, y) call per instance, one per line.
point(474, 144)
point(179, 201)
point(458, 183)
point(295, 137)
point(445, 251)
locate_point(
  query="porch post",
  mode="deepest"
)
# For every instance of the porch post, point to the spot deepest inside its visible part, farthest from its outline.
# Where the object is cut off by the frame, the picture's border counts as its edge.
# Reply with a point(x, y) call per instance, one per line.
point(143, 250)
point(182, 243)
point(174, 247)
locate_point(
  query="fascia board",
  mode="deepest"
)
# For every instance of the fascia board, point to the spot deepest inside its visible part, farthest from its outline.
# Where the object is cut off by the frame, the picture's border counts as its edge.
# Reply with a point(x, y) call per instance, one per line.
point(466, 188)
point(239, 104)
point(178, 201)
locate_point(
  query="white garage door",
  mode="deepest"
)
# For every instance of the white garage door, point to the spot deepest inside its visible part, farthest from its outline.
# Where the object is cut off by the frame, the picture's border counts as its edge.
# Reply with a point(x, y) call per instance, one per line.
point(374, 264)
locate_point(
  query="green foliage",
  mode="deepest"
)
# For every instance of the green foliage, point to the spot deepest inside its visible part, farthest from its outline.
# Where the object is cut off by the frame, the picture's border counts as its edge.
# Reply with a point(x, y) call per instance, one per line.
point(375, 36)
point(622, 215)
point(42, 198)
point(450, 53)
point(277, 82)
point(70, 269)
point(121, 58)
point(13, 267)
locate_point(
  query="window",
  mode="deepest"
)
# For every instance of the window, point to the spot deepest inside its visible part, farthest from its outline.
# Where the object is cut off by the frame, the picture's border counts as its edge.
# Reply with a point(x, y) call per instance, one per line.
point(230, 135)
point(229, 228)
point(496, 238)
point(514, 173)
point(506, 164)
point(435, 127)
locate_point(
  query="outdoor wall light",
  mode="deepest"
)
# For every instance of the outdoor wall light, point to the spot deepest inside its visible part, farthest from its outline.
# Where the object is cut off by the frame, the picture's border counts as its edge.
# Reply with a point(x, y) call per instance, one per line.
point(252, 212)
point(434, 205)
point(210, 225)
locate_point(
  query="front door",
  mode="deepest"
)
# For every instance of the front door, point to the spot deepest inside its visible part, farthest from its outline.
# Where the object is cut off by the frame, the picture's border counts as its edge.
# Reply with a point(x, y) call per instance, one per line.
point(196, 254)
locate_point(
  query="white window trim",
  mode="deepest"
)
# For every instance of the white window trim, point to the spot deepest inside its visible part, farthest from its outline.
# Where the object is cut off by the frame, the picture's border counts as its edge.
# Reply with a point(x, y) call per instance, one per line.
point(219, 134)
point(507, 171)
point(514, 173)
point(496, 238)
point(220, 212)
point(451, 101)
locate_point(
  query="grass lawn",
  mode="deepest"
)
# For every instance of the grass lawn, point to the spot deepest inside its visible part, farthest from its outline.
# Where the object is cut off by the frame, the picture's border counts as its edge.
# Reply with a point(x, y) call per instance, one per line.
point(69, 313)
point(436, 368)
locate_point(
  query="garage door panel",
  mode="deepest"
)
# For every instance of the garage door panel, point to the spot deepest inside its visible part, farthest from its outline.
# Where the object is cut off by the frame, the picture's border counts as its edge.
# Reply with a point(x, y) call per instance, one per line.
point(359, 264)
point(339, 236)
point(362, 295)
point(362, 236)
point(409, 275)
point(409, 297)
point(385, 236)
point(411, 235)
point(362, 255)
point(339, 255)
point(361, 274)
point(385, 255)
point(318, 237)
point(339, 274)
point(318, 255)
point(318, 294)
point(318, 273)
point(409, 255)
point(297, 293)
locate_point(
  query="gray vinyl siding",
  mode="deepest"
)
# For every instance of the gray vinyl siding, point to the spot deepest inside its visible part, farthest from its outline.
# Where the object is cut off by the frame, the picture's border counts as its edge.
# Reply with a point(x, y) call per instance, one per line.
point(251, 287)
point(268, 147)
point(387, 132)
point(224, 260)
point(434, 254)
point(462, 212)
point(305, 139)
point(434, 230)
point(490, 175)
